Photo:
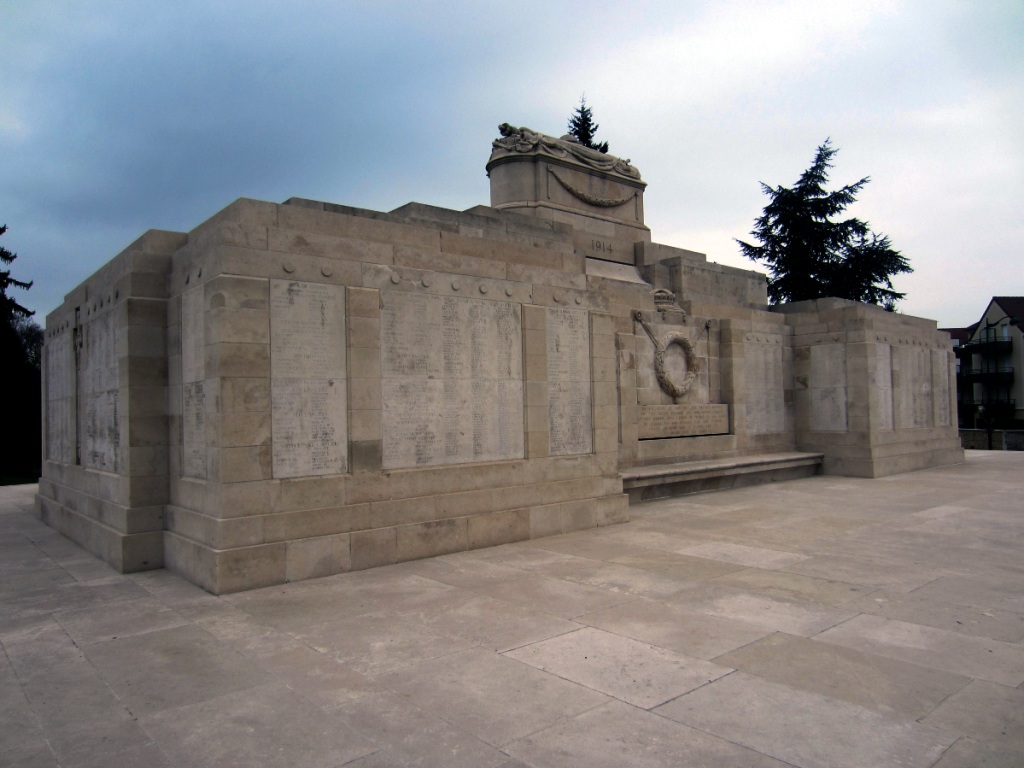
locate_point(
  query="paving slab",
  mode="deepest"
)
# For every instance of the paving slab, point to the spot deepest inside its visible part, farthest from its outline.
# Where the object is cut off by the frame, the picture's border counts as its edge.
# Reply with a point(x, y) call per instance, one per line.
point(668, 626)
point(985, 711)
point(875, 682)
point(979, 619)
point(615, 735)
point(634, 672)
point(754, 557)
point(978, 657)
point(969, 753)
point(871, 622)
point(804, 728)
point(268, 725)
point(493, 697)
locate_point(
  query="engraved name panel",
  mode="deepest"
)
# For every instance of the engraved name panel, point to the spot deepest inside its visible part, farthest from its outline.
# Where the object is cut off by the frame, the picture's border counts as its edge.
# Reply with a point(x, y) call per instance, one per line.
point(308, 379)
point(60, 384)
point(193, 429)
point(193, 335)
point(99, 412)
point(194, 448)
point(828, 388)
point(570, 412)
point(766, 407)
point(452, 389)
point(660, 421)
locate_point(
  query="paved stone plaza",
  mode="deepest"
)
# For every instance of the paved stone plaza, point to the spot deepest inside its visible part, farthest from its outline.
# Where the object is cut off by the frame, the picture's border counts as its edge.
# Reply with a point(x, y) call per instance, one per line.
point(828, 621)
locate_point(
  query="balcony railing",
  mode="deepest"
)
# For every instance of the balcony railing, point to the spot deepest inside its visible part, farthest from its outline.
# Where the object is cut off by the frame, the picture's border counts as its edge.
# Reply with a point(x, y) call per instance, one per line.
point(991, 373)
point(988, 346)
point(987, 401)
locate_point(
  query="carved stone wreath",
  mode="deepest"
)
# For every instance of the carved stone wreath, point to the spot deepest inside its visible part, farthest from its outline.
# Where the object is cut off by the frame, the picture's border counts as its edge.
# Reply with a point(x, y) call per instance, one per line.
point(665, 380)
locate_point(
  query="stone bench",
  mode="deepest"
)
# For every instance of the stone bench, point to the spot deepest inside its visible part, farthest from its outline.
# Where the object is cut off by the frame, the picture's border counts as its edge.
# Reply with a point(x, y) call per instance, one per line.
point(659, 481)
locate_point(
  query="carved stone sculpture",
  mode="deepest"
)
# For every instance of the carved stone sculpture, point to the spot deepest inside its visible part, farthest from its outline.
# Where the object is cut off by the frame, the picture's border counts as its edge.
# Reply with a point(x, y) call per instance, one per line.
point(525, 141)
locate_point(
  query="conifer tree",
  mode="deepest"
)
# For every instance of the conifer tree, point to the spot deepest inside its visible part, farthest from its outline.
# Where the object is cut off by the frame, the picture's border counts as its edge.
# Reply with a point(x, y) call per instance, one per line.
point(20, 344)
point(809, 255)
point(10, 310)
point(583, 127)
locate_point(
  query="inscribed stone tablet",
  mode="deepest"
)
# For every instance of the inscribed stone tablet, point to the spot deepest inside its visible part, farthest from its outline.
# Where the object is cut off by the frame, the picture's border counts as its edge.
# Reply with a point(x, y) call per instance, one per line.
point(193, 335)
point(307, 330)
point(881, 387)
point(309, 427)
point(99, 417)
point(570, 413)
point(913, 397)
point(765, 395)
point(193, 429)
point(59, 392)
point(452, 388)
point(940, 387)
point(659, 421)
point(308, 383)
point(828, 388)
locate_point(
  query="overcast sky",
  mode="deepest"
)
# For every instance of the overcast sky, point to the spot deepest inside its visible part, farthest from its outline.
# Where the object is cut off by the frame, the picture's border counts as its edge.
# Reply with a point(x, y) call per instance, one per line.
point(118, 117)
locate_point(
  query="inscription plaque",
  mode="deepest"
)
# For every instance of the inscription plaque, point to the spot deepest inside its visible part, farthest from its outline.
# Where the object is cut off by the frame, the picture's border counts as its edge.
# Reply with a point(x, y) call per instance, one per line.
point(763, 379)
point(828, 388)
point(452, 389)
point(661, 421)
point(308, 379)
point(193, 372)
point(193, 429)
point(570, 415)
point(193, 335)
point(99, 417)
point(60, 386)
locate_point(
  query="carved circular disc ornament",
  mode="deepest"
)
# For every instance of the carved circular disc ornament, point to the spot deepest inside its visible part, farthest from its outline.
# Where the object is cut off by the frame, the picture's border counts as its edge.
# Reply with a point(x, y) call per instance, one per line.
point(665, 380)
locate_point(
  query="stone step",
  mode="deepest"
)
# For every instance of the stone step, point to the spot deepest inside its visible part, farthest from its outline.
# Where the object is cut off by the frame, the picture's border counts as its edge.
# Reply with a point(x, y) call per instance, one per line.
point(658, 481)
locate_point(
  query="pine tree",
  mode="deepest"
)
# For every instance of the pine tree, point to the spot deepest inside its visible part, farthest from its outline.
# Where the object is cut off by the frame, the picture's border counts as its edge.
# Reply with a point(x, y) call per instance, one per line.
point(11, 311)
point(20, 341)
point(583, 127)
point(809, 255)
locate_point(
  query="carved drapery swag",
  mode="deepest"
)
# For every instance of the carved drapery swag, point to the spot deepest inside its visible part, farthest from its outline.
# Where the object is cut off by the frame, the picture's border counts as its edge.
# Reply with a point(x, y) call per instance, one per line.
point(523, 140)
point(579, 194)
point(665, 380)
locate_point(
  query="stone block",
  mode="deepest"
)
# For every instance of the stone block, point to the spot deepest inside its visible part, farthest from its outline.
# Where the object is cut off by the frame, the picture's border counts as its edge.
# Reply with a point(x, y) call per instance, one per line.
point(330, 247)
point(244, 428)
point(365, 425)
point(492, 529)
point(314, 558)
point(459, 264)
point(230, 360)
point(366, 455)
point(534, 318)
point(363, 331)
point(364, 362)
point(538, 444)
point(248, 395)
point(374, 548)
point(238, 465)
point(438, 537)
point(311, 523)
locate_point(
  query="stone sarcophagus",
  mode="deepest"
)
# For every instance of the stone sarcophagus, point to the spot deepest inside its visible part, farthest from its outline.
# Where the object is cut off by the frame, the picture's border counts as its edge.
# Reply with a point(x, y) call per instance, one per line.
point(301, 389)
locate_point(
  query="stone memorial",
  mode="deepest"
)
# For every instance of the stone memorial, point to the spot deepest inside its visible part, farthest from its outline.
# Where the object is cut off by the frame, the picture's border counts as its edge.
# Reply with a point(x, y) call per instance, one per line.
point(300, 389)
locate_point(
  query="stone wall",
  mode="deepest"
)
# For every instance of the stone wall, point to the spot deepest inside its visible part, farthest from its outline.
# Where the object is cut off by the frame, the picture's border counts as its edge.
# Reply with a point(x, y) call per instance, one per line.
point(335, 405)
point(301, 389)
point(105, 452)
point(875, 391)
